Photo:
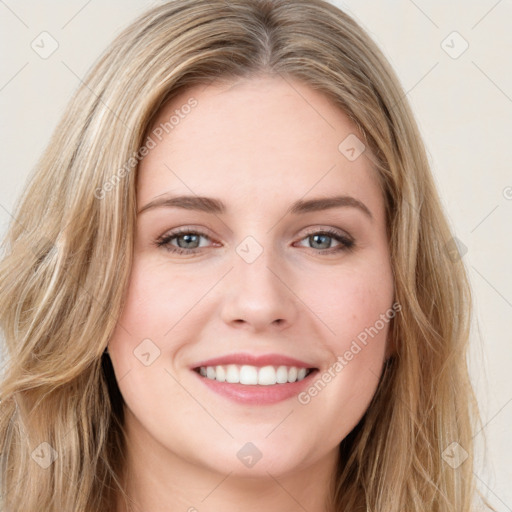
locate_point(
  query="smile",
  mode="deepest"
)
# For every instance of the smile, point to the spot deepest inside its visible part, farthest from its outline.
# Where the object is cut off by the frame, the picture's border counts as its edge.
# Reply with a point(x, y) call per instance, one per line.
point(253, 385)
point(253, 375)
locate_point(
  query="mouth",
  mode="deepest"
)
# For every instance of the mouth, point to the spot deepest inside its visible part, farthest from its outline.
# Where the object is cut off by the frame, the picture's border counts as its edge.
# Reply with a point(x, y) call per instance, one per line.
point(248, 375)
point(254, 379)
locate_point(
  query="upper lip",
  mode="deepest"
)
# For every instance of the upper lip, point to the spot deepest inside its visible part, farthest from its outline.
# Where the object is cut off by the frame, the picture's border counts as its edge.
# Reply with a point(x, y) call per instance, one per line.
point(254, 360)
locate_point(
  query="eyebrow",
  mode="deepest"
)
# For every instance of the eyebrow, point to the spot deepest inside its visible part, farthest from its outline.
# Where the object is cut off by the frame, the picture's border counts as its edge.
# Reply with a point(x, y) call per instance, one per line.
point(216, 206)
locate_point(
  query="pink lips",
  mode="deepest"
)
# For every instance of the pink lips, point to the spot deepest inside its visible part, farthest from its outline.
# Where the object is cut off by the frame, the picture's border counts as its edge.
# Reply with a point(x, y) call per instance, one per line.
point(253, 360)
point(256, 394)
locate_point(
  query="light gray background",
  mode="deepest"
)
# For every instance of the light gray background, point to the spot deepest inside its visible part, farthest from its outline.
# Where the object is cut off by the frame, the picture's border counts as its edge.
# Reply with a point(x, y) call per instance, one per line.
point(463, 106)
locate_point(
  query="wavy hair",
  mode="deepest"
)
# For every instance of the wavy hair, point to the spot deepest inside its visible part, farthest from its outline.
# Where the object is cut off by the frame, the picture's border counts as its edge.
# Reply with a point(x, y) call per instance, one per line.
point(67, 257)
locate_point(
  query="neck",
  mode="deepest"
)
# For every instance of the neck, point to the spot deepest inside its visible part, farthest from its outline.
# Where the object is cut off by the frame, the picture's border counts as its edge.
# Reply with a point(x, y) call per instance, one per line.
point(157, 480)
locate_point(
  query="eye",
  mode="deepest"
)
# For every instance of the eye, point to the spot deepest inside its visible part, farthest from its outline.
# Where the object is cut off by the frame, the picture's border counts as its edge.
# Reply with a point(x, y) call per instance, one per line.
point(188, 241)
point(322, 240)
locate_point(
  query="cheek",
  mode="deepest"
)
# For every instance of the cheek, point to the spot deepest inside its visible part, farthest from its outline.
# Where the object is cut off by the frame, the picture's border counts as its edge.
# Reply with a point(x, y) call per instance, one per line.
point(358, 311)
point(156, 302)
point(351, 302)
point(152, 326)
point(356, 307)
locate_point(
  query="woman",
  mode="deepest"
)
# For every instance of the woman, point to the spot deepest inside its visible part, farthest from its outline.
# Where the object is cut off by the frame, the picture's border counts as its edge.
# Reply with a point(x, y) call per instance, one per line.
point(230, 281)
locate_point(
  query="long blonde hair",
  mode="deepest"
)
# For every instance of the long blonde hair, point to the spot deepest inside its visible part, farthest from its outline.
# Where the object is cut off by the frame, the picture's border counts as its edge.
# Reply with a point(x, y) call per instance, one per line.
point(67, 258)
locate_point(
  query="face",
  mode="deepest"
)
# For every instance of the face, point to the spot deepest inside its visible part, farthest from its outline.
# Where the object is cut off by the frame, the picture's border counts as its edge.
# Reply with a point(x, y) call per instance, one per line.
point(265, 273)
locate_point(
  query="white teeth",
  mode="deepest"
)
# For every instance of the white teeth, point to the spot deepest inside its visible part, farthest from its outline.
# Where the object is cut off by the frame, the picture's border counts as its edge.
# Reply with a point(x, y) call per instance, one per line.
point(232, 374)
point(252, 375)
point(282, 375)
point(267, 376)
point(248, 375)
point(220, 374)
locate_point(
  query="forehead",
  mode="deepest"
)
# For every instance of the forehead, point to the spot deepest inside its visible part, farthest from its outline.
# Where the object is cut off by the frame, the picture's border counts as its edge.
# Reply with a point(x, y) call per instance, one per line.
point(267, 138)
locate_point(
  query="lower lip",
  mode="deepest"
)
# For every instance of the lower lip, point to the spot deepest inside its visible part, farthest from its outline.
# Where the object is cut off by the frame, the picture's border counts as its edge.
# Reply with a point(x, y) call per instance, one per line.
point(257, 394)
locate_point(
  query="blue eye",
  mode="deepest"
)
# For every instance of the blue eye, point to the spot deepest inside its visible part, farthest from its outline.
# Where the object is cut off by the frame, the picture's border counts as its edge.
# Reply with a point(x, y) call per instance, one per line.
point(190, 244)
point(188, 241)
point(320, 237)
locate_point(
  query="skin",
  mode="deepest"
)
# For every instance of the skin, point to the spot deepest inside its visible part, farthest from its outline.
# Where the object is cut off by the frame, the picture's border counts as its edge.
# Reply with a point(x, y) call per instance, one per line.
point(258, 145)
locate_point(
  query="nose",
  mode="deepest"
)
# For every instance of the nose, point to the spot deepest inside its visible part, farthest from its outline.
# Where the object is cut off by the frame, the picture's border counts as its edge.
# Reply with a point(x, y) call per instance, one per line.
point(259, 295)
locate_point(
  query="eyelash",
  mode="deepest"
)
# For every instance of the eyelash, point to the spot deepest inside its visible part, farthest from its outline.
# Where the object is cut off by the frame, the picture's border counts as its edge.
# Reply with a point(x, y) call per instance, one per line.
point(346, 244)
